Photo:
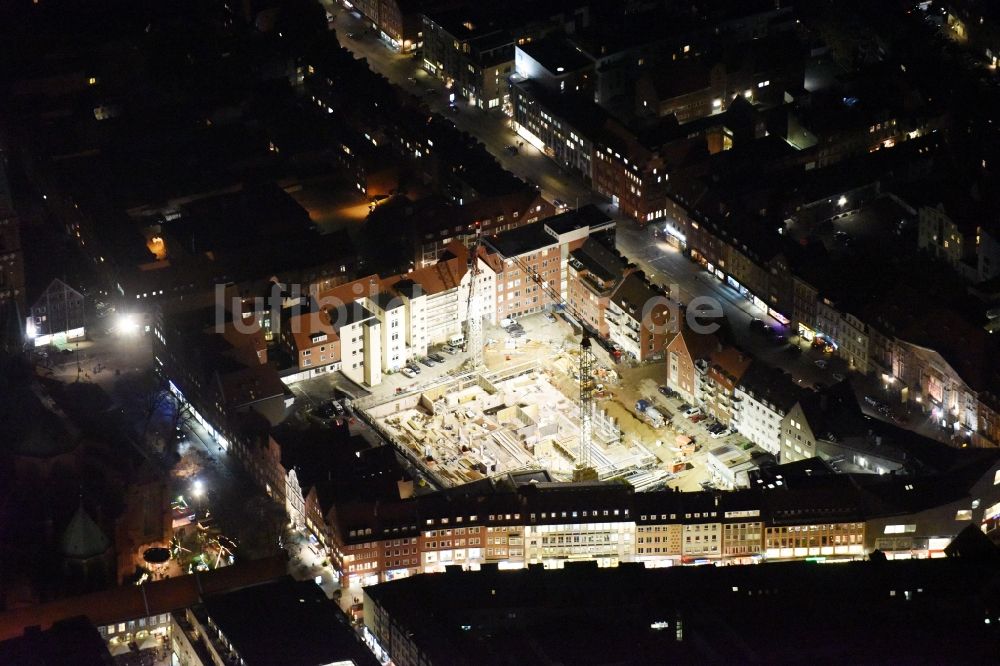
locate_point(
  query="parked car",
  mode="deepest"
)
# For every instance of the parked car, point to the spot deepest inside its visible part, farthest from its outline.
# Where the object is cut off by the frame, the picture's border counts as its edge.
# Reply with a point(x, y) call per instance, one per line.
point(756, 323)
point(516, 332)
point(641, 406)
point(550, 317)
point(839, 377)
point(821, 363)
point(717, 434)
point(507, 322)
point(428, 362)
point(413, 367)
point(691, 411)
point(665, 391)
point(437, 357)
point(325, 411)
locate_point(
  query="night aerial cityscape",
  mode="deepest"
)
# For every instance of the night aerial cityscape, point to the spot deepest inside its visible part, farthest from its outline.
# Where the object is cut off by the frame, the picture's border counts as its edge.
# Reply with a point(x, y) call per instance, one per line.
point(543, 332)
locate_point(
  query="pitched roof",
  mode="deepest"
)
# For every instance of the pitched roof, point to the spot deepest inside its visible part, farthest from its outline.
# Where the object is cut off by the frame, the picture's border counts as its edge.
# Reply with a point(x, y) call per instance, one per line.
point(83, 539)
point(304, 327)
point(698, 345)
point(729, 362)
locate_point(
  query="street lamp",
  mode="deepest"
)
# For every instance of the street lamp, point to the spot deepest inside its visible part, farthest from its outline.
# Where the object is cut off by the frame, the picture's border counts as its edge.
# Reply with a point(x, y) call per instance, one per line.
point(198, 491)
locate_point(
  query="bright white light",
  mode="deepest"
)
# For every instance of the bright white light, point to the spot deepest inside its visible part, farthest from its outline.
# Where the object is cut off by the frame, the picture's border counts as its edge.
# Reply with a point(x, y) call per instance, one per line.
point(842, 201)
point(30, 329)
point(198, 489)
point(126, 324)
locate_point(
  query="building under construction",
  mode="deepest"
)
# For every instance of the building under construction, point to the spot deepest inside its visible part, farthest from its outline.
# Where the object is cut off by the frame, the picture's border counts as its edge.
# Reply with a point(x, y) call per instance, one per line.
point(492, 423)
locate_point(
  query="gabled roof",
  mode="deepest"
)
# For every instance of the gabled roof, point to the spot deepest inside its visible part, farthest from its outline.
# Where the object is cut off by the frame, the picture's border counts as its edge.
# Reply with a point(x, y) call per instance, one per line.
point(697, 345)
point(305, 327)
point(83, 539)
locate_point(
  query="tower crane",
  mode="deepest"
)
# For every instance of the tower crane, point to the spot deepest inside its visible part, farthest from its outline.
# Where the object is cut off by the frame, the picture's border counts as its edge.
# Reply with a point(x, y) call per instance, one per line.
point(474, 318)
point(584, 469)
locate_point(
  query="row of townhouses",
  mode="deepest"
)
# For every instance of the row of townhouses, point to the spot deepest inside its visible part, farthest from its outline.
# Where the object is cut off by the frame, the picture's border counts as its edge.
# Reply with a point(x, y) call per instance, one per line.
point(517, 523)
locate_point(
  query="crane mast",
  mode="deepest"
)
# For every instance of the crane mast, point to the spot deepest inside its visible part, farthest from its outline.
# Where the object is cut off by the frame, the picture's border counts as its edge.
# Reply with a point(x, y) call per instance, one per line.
point(584, 465)
point(474, 318)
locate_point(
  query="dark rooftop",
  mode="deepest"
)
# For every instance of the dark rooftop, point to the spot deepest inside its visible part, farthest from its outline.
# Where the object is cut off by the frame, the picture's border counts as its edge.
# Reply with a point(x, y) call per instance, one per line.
point(557, 55)
point(751, 614)
point(300, 626)
point(522, 240)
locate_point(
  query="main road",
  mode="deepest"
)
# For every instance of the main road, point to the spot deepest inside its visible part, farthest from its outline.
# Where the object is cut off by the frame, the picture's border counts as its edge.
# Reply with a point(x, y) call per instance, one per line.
point(664, 265)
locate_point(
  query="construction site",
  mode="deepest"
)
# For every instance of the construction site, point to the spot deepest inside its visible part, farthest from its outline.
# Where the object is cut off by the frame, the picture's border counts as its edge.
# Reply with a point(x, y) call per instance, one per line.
point(513, 419)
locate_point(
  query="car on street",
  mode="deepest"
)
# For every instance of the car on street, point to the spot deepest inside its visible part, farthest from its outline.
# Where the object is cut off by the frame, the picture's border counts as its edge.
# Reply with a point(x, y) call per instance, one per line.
point(452, 108)
point(408, 372)
point(821, 363)
point(516, 332)
point(717, 434)
point(839, 377)
point(413, 367)
point(450, 350)
point(428, 362)
point(411, 79)
point(437, 357)
point(665, 391)
point(559, 205)
point(641, 406)
point(510, 149)
point(757, 323)
point(691, 411)
point(507, 322)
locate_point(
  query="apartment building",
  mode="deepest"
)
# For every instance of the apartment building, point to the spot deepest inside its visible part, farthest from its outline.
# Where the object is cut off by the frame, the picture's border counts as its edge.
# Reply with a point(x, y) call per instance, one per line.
point(512, 523)
point(472, 52)
point(640, 318)
point(762, 398)
point(223, 376)
point(315, 342)
point(376, 325)
point(683, 351)
point(532, 262)
point(593, 271)
point(723, 370)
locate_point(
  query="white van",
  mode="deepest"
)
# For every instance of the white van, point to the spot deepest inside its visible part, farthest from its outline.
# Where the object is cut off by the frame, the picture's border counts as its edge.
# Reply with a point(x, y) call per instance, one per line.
point(456, 340)
point(655, 418)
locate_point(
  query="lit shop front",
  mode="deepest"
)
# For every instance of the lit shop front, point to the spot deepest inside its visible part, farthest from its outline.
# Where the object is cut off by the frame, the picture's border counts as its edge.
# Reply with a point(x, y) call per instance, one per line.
point(741, 289)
